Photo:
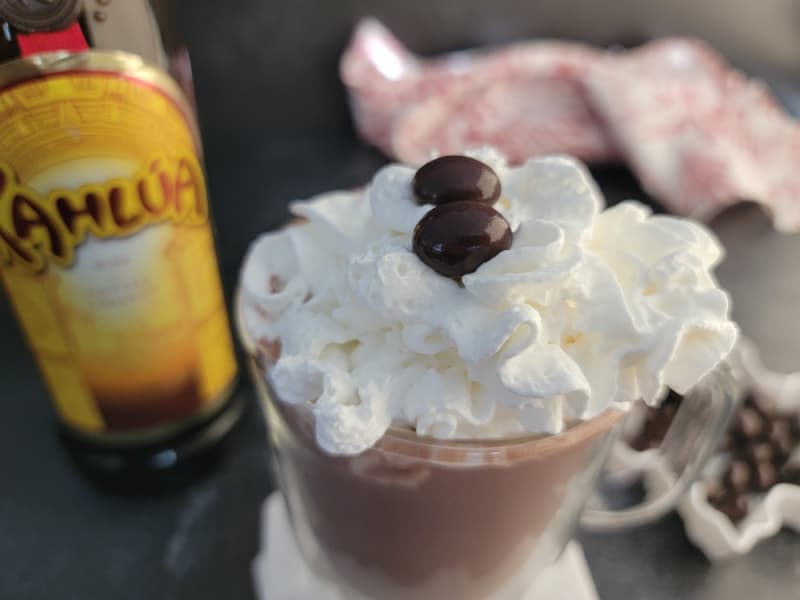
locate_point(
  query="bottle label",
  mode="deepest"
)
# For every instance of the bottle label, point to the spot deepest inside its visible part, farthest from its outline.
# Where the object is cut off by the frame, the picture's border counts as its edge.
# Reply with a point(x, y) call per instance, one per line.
point(107, 252)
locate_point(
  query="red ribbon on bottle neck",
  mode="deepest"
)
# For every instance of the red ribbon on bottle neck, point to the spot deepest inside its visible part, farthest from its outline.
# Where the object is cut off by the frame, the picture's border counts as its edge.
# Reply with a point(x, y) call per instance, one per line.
point(70, 39)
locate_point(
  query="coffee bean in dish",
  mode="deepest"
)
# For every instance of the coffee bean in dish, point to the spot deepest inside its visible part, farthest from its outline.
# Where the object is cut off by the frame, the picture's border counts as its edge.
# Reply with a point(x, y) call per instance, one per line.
point(782, 437)
point(750, 423)
point(732, 504)
point(739, 476)
point(760, 444)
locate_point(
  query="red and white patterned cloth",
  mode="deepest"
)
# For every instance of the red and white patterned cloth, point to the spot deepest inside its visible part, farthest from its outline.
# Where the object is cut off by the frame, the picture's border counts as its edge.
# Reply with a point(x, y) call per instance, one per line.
point(698, 134)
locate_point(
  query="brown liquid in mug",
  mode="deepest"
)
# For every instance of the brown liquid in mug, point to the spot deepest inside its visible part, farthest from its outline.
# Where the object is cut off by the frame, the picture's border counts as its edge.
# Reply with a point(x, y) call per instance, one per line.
point(390, 522)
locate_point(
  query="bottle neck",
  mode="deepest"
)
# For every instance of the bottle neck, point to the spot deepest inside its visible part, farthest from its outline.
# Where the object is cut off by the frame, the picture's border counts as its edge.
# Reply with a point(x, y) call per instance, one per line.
point(147, 28)
point(143, 27)
point(16, 44)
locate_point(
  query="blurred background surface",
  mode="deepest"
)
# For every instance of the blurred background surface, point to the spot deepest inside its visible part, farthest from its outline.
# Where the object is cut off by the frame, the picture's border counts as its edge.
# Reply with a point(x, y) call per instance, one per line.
point(277, 128)
point(271, 65)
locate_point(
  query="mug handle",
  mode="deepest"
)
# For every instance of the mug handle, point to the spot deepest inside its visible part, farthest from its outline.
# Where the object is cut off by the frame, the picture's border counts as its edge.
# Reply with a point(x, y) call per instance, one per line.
point(691, 440)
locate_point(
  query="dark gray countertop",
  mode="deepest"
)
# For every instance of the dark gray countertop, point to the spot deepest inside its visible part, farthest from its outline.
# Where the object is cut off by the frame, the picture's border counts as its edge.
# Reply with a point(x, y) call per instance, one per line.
point(59, 538)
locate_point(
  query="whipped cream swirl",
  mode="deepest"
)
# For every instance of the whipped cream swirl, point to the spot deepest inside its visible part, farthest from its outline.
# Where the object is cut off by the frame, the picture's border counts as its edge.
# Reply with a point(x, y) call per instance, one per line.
point(589, 310)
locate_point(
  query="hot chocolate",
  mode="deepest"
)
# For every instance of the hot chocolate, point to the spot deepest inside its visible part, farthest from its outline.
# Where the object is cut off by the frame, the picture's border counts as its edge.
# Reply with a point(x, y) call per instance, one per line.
point(427, 519)
point(439, 408)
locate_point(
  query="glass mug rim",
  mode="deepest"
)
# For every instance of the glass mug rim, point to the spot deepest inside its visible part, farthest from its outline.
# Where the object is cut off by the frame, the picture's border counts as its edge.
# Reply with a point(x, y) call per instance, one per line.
point(404, 442)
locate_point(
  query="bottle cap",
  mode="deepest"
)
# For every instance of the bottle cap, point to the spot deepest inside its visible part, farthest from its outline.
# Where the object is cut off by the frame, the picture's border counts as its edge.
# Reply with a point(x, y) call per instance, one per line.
point(40, 15)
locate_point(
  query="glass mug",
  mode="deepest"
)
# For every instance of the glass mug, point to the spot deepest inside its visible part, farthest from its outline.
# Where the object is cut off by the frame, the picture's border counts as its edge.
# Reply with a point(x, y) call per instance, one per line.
point(417, 518)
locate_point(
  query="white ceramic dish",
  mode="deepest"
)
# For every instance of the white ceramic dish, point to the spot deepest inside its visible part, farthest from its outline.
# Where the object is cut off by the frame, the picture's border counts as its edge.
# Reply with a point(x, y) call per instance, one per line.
point(707, 527)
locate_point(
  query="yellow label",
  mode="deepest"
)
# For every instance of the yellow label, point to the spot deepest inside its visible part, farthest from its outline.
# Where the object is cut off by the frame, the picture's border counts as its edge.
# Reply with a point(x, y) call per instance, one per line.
point(106, 251)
